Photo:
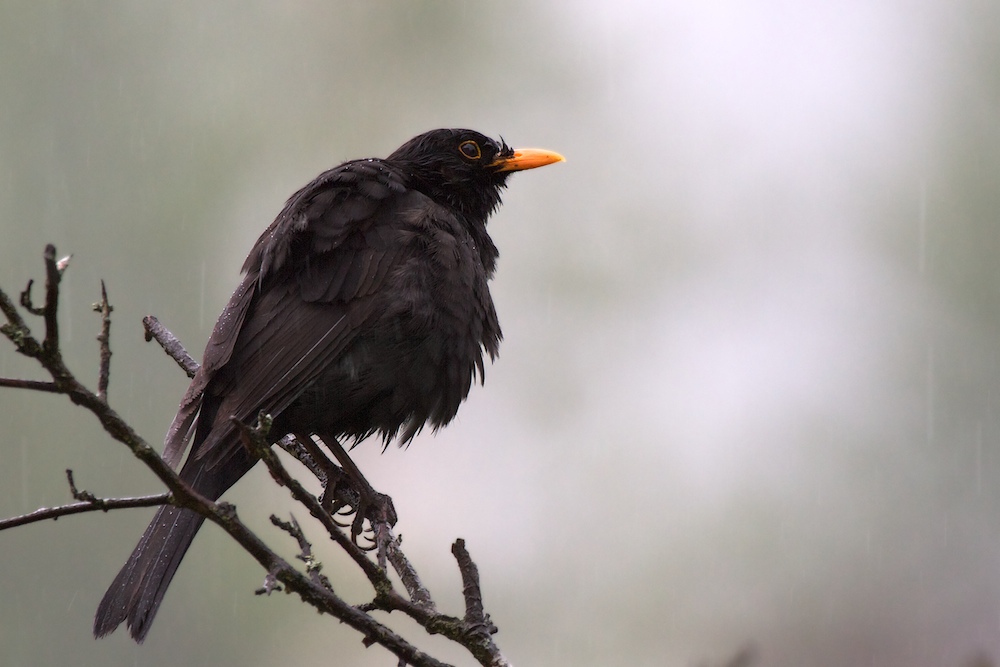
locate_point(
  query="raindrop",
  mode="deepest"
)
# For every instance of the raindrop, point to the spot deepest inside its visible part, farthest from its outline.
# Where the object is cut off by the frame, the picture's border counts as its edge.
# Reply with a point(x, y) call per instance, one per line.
point(922, 229)
point(930, 393)
point(201, 302)
point(979, 459)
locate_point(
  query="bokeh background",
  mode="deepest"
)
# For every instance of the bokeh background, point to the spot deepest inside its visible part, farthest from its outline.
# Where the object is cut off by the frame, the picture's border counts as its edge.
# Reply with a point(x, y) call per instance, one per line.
point(748, 395)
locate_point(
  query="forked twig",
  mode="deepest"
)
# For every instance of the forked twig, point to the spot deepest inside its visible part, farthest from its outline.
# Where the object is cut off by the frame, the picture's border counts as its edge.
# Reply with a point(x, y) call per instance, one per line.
point(86, 502)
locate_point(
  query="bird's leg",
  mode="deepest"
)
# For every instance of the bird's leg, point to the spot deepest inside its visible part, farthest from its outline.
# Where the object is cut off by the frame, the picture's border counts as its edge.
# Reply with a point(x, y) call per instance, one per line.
point(372, 505)
point(330, 474)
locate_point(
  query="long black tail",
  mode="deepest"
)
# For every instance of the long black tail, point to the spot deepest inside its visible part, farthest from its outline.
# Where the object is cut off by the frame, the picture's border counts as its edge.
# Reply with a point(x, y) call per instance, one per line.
point(136, 592)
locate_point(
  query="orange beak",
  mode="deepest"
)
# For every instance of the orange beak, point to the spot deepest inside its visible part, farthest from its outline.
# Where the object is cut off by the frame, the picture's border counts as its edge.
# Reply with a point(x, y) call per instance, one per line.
point(526, 158)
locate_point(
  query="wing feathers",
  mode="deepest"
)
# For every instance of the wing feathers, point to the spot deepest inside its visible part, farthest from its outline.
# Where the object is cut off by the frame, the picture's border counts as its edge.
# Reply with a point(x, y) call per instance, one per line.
point(312, 284)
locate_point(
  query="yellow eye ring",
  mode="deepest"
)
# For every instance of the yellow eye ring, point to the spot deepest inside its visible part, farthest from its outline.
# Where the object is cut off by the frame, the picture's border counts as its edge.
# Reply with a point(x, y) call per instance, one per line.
point(470, 149)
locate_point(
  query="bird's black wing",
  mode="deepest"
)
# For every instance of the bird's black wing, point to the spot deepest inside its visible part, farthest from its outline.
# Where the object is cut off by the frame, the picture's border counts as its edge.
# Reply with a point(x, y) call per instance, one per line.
point(311, 283)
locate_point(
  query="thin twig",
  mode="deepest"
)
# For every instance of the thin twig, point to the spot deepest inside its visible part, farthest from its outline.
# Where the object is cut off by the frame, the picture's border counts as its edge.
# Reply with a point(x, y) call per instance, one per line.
point(50, 357)
point(418, 593)
point(27, 303)
point(477, 622)
point(170, 345)
point(270, 585)
point(96, 505)
point(52, 278)
point(470, 583)
point(104, 338)
point(313, 567)
point(85, 496)
point(16, 330)
point(10, 312)
point(34, 385)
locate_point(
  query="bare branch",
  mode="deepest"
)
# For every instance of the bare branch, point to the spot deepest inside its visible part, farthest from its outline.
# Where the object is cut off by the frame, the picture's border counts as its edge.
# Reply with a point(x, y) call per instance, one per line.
point(34, 385)
point(50, 357)
point(322, 599)
point(183, 495)
point(474, 632)
point(26, 302)
point(52, 277)
point(419, 595)
point(76, 493)
point(10, 311)
point(313, 566)
point(96, 505)
point(470, 583)
point(477, 621)
point(170, 345)
point(16, 330)
point(104, 338)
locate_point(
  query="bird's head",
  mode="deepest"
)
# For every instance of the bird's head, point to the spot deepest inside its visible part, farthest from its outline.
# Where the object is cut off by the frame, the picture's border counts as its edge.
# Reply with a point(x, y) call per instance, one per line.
point(464, 169)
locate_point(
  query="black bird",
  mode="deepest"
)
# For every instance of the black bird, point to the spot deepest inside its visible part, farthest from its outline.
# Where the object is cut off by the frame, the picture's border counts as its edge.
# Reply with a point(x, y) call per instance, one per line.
point(364, 308)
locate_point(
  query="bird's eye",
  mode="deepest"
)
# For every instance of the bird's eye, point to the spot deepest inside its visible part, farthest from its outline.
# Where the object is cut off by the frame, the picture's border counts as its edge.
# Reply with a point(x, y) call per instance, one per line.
point(470, 149)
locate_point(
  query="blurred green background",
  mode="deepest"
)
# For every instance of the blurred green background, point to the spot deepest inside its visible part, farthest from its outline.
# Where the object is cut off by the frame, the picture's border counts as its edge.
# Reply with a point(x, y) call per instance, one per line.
point(748, 393)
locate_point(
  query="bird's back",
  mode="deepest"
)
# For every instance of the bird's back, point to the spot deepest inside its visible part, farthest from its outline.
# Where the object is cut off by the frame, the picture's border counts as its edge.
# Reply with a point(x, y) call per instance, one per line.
point(369, 312)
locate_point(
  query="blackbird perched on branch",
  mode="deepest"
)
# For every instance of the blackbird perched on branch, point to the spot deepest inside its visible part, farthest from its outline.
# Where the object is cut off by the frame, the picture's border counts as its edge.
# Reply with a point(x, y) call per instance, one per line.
point(364, 308)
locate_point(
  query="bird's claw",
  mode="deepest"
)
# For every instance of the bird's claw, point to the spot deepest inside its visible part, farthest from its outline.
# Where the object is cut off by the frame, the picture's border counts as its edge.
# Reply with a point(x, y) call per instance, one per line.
point(381, 516)
point(374, 507)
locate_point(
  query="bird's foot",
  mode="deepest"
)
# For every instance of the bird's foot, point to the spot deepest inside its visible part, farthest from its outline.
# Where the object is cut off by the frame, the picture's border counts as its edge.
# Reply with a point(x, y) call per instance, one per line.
point(343, 501)
point(371, 506)
point(378, 510)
